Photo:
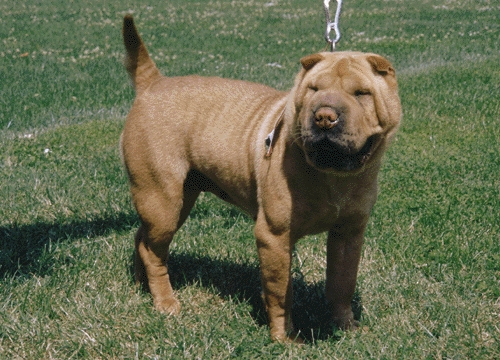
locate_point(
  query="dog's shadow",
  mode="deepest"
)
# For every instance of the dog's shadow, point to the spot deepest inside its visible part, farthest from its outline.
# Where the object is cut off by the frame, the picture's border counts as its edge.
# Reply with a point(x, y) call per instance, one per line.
point(23, 249)
point(229, 279)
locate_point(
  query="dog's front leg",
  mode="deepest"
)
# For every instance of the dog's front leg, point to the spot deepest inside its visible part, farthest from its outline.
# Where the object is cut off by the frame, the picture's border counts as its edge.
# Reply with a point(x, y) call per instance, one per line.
point(343, 254)
point(275, 265)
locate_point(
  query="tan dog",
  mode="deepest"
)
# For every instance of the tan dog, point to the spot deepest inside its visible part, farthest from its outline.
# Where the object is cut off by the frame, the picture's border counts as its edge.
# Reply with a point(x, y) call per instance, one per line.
point(185, 135)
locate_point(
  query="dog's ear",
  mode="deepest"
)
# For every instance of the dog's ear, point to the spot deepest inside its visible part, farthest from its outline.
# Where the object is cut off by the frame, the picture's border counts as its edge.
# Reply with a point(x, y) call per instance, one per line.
point(381, 65)
point(310, 60)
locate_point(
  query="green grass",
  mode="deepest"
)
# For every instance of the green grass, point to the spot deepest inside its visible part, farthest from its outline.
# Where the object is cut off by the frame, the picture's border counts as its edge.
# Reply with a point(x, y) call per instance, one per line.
point(429, 281)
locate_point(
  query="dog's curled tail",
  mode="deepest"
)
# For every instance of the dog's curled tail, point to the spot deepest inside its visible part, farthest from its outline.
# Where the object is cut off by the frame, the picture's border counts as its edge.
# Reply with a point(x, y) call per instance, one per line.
point(141, 68)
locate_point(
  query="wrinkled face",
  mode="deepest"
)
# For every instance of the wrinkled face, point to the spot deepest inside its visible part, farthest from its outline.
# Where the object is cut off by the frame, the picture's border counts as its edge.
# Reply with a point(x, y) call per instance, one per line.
point(347, 109)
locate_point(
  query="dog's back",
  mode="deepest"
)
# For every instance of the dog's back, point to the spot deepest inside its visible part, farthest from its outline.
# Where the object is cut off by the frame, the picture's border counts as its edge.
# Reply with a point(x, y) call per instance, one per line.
point(195, 123)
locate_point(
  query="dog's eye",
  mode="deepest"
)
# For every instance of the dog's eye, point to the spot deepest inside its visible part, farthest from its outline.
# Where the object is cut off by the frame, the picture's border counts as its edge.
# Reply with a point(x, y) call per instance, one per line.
point(359, 93)
point(313, 88)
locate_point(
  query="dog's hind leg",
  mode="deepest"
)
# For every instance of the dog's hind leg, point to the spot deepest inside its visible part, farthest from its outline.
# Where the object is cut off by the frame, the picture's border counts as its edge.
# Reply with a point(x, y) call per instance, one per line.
point(162, 212)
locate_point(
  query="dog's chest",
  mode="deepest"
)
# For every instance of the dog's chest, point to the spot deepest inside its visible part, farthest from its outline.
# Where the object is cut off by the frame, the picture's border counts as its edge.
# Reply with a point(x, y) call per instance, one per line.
point(324, 206)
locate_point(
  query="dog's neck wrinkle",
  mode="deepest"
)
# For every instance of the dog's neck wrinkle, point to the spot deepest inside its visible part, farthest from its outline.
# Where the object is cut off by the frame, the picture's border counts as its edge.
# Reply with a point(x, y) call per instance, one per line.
point(330, 178)
point(326, 195)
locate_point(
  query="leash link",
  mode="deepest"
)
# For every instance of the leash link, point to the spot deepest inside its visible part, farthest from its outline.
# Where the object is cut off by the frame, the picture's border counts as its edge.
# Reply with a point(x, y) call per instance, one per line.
point(332, 25)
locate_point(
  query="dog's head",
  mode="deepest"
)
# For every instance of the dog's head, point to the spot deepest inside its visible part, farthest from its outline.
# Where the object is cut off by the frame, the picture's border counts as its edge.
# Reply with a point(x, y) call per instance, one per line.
point(347, 109)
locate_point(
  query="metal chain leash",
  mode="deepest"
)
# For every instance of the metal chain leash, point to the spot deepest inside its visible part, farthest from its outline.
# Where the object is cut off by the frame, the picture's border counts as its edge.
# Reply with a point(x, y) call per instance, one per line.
point(332, 25)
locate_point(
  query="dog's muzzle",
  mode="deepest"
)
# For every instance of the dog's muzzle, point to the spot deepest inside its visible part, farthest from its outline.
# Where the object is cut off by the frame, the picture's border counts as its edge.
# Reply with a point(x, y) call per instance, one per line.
point(326, 147)
point(327, 155)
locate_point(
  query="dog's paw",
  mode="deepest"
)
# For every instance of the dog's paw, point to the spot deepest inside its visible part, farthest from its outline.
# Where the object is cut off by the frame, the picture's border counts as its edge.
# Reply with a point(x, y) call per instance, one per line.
point(170, 306)
point(292, 338)
point(347, 324)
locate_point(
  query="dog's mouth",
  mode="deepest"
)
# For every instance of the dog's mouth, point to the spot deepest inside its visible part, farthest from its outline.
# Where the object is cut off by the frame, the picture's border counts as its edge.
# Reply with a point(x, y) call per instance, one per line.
point(327, 155)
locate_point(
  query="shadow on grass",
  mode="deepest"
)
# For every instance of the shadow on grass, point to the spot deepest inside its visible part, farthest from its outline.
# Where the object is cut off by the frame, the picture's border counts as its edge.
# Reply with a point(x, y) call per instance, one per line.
point(25, 251)
point(24, 248)
point(242, 282)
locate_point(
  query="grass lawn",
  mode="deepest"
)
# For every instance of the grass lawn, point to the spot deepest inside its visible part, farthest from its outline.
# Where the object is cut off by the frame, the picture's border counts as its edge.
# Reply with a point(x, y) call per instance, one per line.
point(429, 281)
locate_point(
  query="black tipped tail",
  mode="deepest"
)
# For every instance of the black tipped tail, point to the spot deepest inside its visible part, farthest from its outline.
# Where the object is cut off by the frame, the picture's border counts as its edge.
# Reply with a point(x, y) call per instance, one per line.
point(141, 68)
point(131, 37)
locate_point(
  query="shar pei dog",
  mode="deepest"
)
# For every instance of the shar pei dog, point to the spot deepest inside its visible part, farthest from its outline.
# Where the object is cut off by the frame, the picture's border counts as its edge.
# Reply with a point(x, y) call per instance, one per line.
point(299, 162)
